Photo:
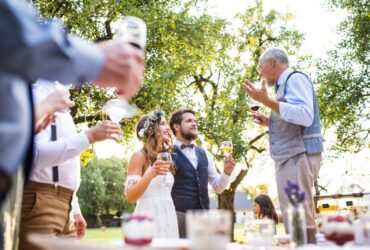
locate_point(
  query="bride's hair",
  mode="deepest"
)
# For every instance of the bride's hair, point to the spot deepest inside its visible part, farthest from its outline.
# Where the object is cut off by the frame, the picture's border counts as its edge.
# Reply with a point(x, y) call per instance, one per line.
point(147, 130)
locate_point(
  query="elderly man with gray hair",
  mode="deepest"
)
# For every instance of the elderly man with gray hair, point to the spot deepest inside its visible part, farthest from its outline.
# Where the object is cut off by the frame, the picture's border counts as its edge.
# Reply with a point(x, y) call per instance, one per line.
point(294, 129)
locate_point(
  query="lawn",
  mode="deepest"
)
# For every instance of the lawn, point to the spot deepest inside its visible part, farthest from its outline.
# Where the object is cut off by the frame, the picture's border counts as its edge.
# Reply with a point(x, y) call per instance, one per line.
point(104, 235)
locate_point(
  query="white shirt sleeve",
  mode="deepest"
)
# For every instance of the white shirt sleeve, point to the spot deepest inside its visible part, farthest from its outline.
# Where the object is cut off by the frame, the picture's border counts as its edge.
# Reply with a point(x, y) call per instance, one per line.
point(52, 153)
point(299, 96)
point(218, 181)
point(75, 205)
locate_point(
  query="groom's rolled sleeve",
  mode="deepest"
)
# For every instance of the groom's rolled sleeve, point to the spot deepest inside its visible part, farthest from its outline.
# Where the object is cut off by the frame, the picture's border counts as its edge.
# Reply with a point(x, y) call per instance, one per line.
point(218, 181)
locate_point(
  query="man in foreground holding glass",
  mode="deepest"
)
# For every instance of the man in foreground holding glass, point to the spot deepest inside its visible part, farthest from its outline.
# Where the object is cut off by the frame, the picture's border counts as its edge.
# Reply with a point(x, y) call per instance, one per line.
point(30, 50)
point(195, 168)
point(294, 129)
point(49, 203)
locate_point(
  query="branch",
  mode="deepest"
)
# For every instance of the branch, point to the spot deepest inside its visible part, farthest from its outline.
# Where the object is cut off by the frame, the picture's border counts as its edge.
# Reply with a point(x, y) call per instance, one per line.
point(257, 137)
point(88, 118)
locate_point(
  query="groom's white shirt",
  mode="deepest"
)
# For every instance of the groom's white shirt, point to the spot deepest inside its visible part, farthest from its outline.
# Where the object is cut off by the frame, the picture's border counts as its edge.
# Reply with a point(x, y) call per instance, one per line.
point(218, 181)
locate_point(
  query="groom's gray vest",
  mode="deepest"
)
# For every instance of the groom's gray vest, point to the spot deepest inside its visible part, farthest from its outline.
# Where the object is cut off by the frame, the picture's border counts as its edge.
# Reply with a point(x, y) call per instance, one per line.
point(190, 190)
point(288, 139)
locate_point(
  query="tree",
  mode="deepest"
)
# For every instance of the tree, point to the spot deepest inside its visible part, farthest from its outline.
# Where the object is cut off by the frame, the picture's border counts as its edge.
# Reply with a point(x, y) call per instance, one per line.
point(193, 60)
point(102, 188)
point(345, 76)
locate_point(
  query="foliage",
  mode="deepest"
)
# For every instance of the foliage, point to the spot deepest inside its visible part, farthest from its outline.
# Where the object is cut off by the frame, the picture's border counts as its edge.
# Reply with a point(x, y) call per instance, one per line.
point(193, 60)
point(345, 76)
point(254, 191)
point(102, 187)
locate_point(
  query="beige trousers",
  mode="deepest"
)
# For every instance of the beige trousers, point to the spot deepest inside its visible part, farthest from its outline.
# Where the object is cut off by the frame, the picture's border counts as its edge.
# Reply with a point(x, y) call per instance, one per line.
point(302, 169)
point(46, 209)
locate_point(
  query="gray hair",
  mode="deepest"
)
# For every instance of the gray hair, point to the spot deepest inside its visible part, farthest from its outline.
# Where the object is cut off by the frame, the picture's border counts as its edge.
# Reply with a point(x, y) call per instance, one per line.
point(278, 55)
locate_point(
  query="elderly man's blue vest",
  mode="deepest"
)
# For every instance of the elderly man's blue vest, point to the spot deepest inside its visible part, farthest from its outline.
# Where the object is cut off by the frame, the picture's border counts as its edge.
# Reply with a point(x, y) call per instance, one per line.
point(190, 190)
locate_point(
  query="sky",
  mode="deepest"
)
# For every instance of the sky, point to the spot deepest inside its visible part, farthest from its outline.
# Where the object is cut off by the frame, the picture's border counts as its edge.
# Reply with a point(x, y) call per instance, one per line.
point(311, 17)
point(319, 26)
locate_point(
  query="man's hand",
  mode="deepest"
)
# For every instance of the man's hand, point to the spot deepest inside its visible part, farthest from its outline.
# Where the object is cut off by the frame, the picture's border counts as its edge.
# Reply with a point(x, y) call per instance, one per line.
point(229, 164)
point(80, 225)
point(104, 130)
point(123, 68)
point(44, 111)
point(260, 95)
point(262, 119)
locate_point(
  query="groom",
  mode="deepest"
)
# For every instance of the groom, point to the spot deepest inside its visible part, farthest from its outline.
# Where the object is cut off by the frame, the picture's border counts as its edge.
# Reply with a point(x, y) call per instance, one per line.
point(195, 168)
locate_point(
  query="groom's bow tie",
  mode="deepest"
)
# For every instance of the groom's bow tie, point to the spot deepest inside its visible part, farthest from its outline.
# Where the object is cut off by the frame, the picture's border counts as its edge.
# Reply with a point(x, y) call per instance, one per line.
point(191, 145)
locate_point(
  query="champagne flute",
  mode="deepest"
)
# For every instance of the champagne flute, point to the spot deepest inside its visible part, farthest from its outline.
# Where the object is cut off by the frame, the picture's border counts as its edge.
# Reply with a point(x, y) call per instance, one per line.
point(117, 109)
point(166, 157)
point(227, 148)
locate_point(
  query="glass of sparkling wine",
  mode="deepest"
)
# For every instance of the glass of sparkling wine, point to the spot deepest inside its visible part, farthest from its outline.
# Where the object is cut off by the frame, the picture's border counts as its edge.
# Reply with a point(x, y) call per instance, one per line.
point(166, 157)
point(227, 148)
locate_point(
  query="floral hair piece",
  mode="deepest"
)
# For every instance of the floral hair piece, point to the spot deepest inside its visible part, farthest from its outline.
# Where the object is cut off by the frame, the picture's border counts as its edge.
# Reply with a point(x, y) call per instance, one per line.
point(152, 117)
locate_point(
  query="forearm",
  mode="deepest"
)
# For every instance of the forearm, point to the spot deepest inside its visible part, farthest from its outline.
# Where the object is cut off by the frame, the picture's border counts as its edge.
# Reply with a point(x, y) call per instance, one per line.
point(75, 205)
point(35, 50)
point(272, 104)
point(135, 191)
point(52, 153)
point(219, 183)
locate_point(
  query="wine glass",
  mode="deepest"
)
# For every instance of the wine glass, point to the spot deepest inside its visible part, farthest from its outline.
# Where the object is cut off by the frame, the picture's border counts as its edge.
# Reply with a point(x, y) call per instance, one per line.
point(166, 157)
point(117, 109)
point(254, 106)
point(132, 30)
point(227, 148)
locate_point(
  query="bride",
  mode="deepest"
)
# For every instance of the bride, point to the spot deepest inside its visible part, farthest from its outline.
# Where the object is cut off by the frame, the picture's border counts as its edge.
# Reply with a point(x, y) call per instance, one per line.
point(149, 181)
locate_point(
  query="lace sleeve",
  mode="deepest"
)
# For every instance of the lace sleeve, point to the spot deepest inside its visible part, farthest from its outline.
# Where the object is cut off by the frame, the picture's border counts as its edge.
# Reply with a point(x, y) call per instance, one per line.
point(130, 181)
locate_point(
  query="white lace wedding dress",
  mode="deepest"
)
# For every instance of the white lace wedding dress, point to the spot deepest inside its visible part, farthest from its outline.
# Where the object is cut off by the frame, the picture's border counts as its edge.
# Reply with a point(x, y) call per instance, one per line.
point(157, 203)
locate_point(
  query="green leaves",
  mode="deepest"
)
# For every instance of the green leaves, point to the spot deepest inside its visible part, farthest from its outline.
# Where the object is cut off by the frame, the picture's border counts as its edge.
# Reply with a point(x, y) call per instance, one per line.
point(345, 76)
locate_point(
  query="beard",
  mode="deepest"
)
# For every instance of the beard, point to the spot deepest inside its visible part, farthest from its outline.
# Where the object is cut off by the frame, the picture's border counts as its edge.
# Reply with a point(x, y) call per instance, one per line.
point(189, 135)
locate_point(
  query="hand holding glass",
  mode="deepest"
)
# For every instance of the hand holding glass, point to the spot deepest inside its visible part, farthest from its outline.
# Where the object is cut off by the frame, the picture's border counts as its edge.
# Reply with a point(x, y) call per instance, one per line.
point(166, 157)
point(227, 148)
point(254, 106)
point(117, 109)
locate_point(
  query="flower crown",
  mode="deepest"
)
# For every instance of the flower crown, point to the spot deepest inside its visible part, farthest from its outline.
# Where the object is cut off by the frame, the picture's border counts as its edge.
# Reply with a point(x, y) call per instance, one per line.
point(152, 117)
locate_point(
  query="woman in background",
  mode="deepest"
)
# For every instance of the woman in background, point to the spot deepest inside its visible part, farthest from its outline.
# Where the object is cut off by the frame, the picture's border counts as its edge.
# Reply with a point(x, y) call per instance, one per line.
point(264, 208)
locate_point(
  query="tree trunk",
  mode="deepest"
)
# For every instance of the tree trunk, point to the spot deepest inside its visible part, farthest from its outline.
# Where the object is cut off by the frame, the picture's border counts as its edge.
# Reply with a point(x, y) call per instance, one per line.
point(226, 201)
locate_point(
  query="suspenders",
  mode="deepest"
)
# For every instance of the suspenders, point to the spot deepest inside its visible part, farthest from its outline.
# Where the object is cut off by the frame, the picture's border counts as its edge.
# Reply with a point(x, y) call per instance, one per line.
point(54, 138)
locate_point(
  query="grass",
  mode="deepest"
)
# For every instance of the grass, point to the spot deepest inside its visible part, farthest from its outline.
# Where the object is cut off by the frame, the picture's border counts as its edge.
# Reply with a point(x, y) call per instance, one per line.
point(104, 235)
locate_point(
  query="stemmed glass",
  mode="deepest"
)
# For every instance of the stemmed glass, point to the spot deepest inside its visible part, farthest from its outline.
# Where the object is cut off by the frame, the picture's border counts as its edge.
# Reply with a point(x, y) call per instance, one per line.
point(254, 106)
point(166, 157)
point(227, 148)
point(131, 30)
point(117, 109)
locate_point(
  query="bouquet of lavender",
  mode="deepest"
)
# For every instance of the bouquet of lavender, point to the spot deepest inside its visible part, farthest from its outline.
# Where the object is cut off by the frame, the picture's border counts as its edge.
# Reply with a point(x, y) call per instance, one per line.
point(297, 224)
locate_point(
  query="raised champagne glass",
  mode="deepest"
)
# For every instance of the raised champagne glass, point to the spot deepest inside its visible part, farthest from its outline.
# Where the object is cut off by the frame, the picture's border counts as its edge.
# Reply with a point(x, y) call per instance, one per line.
point(166, 157)
point(227, 148)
